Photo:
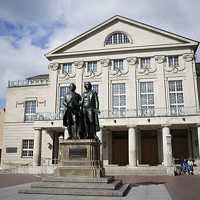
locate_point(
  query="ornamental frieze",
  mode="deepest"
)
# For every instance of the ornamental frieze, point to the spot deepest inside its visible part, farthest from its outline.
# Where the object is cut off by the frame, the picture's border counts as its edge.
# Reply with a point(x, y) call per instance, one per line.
point(188, 57)
point(105, 62)
point(160, 59)
point(79, 64)
point(132, 60)
point(53, 66)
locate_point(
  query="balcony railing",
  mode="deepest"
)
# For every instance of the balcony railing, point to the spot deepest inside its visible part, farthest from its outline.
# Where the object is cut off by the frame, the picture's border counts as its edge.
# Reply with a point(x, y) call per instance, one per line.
point(23, 83)
point(109, 114)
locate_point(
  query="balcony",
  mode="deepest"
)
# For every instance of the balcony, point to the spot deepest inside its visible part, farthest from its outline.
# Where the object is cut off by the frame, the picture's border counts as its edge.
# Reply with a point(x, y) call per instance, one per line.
point(137, 113)
point(25, 83)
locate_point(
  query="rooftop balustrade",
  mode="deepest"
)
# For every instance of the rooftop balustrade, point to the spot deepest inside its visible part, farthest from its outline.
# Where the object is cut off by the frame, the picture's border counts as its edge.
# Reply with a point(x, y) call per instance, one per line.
point(24, 83)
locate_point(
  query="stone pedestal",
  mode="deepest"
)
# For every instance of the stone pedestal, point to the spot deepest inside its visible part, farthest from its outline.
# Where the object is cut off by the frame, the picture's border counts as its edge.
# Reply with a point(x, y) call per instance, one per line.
point(80, 158)
point(80, 172)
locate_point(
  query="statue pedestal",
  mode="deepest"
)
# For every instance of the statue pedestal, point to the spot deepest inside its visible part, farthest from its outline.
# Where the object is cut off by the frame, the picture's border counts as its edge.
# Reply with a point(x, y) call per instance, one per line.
point(80, 158)
point(80, 173)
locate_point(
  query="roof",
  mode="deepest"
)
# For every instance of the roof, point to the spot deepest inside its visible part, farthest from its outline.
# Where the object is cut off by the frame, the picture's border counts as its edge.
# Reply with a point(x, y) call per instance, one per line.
point(127, 20)
point(40, 76)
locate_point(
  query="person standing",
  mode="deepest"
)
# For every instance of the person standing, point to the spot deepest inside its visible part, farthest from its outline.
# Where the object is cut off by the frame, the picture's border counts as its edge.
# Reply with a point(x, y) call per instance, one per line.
point(71, 119)
point(90, 111)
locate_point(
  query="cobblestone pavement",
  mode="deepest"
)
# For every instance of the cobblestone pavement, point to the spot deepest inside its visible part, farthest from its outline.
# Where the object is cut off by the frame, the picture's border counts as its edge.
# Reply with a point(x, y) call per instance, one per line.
point(147, 188)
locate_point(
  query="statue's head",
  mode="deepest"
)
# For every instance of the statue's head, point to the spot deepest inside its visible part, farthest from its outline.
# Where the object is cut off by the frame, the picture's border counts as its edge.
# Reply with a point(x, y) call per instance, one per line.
point(87, 85)
point(72, 87)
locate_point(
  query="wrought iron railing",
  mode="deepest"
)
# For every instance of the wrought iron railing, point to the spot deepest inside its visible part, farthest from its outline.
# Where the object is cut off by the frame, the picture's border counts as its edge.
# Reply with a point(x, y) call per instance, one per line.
point(22, 83)
point(106, 114)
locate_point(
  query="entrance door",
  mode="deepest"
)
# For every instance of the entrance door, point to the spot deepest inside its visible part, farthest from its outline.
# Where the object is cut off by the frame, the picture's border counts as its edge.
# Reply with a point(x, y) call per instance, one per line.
point(149, 147)
point(120, 148)
point(180, 144)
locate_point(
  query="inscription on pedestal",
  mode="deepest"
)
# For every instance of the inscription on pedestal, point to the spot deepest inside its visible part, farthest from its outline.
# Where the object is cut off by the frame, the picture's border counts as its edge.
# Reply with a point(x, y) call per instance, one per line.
point(77, 153)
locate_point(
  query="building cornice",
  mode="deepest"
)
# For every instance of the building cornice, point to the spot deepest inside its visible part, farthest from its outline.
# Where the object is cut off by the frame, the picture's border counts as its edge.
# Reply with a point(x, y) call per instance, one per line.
point(123, 49)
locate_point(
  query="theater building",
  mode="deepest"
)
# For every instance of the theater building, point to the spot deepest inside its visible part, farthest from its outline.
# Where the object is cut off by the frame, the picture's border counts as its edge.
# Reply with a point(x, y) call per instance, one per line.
point(146, 82)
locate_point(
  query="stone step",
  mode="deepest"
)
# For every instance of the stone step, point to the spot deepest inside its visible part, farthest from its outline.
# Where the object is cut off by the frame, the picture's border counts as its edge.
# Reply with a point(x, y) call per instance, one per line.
point(140, 172)
point(81, 192)
point(68, 179)
point(111, 186)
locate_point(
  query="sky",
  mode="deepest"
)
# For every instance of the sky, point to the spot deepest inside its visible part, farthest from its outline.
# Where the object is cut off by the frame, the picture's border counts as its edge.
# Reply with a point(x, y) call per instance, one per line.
point(29, 29)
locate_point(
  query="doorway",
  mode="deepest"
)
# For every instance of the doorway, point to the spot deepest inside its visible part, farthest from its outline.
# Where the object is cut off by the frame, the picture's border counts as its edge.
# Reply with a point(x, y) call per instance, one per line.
point(180, 144)
point(149, 148)
point(120, 148)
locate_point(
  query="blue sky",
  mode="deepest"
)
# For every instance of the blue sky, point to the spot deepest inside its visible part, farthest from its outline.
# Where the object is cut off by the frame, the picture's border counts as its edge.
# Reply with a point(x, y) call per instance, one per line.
point(28, 29)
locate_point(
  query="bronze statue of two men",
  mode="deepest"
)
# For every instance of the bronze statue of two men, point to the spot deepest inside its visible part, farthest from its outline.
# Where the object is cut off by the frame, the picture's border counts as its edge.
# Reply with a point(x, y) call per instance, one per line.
point(81, 113)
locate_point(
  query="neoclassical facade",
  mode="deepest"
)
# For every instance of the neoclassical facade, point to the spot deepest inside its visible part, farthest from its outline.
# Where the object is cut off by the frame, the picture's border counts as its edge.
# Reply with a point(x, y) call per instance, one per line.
point(146, 81)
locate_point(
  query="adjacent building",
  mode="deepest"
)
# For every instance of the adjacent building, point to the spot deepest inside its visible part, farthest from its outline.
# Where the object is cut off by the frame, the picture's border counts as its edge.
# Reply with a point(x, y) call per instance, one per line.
point(146, 81)
point(2, 119)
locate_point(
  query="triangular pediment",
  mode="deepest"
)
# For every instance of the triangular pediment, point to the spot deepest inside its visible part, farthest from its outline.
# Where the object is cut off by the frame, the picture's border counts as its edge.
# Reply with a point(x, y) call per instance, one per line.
point(141, 35)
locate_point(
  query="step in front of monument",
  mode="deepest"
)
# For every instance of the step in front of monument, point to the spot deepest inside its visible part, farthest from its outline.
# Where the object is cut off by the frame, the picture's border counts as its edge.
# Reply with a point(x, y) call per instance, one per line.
point(78, 192)
point(69, 179)
point(105, 186)
point(111, 186)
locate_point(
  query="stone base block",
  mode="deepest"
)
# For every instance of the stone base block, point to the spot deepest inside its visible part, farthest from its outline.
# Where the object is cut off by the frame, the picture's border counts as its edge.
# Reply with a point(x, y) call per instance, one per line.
point(80, 171)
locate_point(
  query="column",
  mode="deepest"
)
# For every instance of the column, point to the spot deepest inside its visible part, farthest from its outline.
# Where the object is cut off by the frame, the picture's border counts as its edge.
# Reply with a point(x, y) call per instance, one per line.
point(100, 136)
point(189, 135)
point(167, 146)
point(198, 132)
point(105, 144)
point(132, 155)
point(37, 147)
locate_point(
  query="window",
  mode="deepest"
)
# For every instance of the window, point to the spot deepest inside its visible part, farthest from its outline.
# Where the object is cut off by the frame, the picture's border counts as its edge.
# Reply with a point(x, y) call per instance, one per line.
point(96, 88)
point(27, 148)
point(63, 91)
point(67, 68)
point(176, 97)
point(145, 63)
point(30, 110)
point(147, 98)
point(119, 99)
point(173, 61)
point(117, 38)
point(118, 64)
point(92, 66)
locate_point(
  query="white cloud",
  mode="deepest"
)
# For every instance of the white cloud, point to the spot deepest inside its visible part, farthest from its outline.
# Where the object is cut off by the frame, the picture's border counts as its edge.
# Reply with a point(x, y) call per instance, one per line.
point(39, 19)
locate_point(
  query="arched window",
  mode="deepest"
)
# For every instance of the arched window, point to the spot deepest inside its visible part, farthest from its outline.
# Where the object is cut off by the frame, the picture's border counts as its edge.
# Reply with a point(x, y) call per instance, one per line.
point(117, 38)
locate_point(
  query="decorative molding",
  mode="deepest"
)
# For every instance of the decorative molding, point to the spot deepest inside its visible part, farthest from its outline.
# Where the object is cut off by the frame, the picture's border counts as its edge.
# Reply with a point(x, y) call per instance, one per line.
point(160, 59)
point(188, 57)
point(42, 102)
point(146, 70)
point(53, 66)
point(20, 103)
point(132, 60)
point(120, 72)
point(93, 74)
point(79, 64)
point(105, 62)
point(66, 76)
point(174, 69)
